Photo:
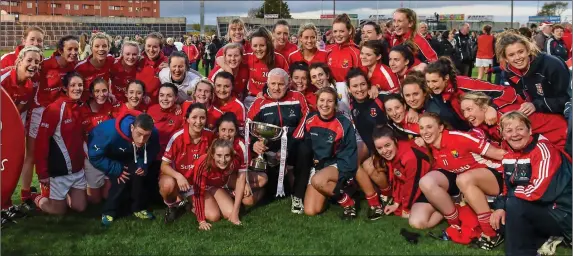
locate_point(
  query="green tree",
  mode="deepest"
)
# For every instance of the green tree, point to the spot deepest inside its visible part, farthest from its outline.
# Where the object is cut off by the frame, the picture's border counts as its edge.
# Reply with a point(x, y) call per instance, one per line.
point(279, 7)
point(553, 9)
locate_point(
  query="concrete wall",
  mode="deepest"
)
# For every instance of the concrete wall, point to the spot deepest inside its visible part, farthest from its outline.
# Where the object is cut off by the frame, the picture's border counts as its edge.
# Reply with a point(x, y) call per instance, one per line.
point(76, 19)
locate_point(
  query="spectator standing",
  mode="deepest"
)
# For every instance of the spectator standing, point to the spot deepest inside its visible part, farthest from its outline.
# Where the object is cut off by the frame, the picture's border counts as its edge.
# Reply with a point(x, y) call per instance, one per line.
point(192, 53)
point(555, 45)
point(465, 50)
point(485, 51)
point(567, 36)
point(84, 50)
point(209, 55)
point(541, 38)
point(169, 47)
point(448, 47)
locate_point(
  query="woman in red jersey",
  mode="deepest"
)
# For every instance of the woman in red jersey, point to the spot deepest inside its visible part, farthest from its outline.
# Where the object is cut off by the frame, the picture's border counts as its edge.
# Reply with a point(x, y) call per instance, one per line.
point(183, 149)
point(406, 163)
point(405, 30)
point(210, 176)
point(124, 69)
point(465, 161)
point(150, 64)
point(345, 54)
point(474, 105)
point(96, 110)
point(60, 169)
point(236, 34)
point(33, 36)
point(402, 60)
point(301, 83)
point(381, 77)
point(17, 81)
point(192, 53)
point(135, 96)
point(308, 50)
point(233, 57)
point(485, 51)
point(49, 90)
point(99, 63)
point(224, 101)
point(165, 115)
point(397, 111)
point(227, 129)
point(204, 93)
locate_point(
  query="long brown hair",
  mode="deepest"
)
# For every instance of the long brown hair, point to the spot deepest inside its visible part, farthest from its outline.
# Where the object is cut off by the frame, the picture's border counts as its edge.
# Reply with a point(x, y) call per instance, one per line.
point(443, 67)
point(270, 53)
point(207, 165)
point(345, 19)
point(413, 18)
point(381, 131)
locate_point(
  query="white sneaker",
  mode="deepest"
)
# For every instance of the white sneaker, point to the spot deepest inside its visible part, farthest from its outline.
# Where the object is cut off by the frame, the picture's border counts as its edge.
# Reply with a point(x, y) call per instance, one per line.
point(297, 205)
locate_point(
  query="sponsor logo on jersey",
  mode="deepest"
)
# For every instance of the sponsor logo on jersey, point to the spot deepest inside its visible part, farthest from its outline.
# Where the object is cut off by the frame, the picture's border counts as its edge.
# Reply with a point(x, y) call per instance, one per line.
point(186, 166)
point(67, 121)
point(461, 169)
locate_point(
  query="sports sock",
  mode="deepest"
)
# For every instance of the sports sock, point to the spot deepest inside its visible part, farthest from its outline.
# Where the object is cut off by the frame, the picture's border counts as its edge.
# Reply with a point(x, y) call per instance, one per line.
point(25, 194)
point(172, 204)
point(37, 198)
point(373, 200)
point(453, 218)
point(387, 191)
point(483, 219)
point(346, 201)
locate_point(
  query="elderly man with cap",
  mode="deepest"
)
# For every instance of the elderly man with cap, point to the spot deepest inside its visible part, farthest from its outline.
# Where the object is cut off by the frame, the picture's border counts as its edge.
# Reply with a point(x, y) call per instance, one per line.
point(540, 39)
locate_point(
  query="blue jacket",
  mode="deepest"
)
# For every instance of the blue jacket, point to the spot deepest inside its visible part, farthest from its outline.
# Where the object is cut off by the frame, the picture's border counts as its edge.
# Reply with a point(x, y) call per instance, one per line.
point(110, 146)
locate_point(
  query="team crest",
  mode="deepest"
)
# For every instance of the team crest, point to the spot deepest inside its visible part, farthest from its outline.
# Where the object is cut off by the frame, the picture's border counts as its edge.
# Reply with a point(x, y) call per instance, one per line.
point(373, 112)
point(455, 154)
point(397, 173)
point(345, 64)
point(171, 122)
point(330, 139)
point(539, 88)
point(339, 96)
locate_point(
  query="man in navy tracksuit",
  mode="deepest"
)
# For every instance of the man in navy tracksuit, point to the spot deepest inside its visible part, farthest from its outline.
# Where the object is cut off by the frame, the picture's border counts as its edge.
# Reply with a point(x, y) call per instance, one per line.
point(123, 148)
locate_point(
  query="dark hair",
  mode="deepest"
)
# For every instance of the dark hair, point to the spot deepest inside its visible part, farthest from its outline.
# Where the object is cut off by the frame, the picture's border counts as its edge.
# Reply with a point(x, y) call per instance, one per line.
point(393, 96)
point(327, 90)
point(280, 23)
point(379, 132)
point(525, 32)
point(299, 65)
point(415, 77)
point(443, 67)
point(375, 45)
point(68, 77)
point(325, 68)
point(344, 18)
point(194, 106)
point(270, 54)
point(155, 35)
point(225, 75)
point(487, 29)
point(137, 82)
point(98, 80)
point(172, 86)
point(64, 39)
point(144, 121)
point(375, 25)
point(356, 72)
point(178, 54)
point(413, 18)
point(407, 51)
point(445, 35)
point(227, 117)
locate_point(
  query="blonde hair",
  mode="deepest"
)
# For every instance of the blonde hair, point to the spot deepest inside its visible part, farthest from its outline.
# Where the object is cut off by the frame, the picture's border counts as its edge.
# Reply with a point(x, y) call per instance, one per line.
point(29, 49)
point(203, 81)
point(515, 115)
point(33, 28)
point(236, 22)
point(100, 35)
point(130, 43)
point(507, 38)
point(233, 46)
point(304, 27)
point(327, 90)
point(479, 98)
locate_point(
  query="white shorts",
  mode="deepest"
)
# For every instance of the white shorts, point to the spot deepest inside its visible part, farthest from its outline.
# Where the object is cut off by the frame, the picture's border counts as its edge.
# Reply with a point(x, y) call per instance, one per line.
point(23, 117)
point(94, 177)
point(187, 193)
point(313, 172)
point(61, 185)
point(35, 120)
point(484, 62)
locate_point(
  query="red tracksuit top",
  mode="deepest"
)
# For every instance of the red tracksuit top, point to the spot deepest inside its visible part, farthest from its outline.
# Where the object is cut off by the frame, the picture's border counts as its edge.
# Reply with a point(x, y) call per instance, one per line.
point(462, 151)
point(120, 78)
point(551, 126)
point(259, 72)
point(319, 57)
point(91, 119)
point(213, 114)
point(426, 52)
point(310, 97)
point(501, 96)
point(409, 165)
point(121, 107)
point(410, 130)
point(341, 58)
point(50, 80)
point(90, 73)
point(384, 79)
point(148, 73)
point(235, 106)
point(287, 50)
point(202, 178)
point(20, 94)
point(242, 153)
point(191, 51)
point(59, 144)
point(182, 153)
point(9, 59)
point(166, 122)
point(241, 79)
point(246, 48)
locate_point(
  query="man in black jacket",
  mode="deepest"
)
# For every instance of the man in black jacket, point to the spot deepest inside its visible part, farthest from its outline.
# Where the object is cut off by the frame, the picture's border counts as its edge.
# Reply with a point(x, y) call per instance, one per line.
point(466, 50)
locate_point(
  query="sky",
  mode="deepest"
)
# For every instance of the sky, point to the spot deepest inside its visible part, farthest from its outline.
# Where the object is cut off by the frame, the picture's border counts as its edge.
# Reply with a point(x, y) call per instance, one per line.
point(313, 9)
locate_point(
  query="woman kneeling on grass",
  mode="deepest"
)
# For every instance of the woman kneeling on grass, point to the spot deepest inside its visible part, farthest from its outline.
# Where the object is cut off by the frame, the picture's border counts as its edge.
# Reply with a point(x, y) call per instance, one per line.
point(332, 138)
point(210, 177)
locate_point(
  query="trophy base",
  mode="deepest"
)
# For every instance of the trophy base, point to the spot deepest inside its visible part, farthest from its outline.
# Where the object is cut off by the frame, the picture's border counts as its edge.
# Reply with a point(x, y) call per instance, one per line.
point(258, 165)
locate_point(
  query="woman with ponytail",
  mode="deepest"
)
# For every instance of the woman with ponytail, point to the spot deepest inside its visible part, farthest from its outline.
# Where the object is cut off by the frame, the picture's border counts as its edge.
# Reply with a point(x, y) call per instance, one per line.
point(405, 30)
point(308, 50)
point(345, 54)
point(402, 60)
point(98, 64)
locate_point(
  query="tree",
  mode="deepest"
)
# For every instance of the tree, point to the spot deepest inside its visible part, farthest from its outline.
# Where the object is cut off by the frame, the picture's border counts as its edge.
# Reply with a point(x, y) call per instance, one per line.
point(279, 7)
point(253, 12)
point(553, 9)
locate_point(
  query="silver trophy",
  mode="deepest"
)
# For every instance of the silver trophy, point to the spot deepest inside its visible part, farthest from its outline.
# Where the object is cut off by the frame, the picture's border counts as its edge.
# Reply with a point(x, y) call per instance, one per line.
point(264, 132)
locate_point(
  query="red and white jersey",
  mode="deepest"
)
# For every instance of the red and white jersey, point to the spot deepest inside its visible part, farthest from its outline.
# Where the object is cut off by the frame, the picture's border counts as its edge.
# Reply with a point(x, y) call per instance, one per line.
point(287, 50)
point(462, 151)
point(181, 152)
point(50, 80)
point(234, 106)
point(120, 78)
point(242, 153)
point(148, 72)
point(91, 119)
point(383, 78)
point(426, 52)
point(90, 73)
point(213, 114)
point(121, 107)
point(246, 48)
point(411, 130)
point(341, 58)
point(9, 59)
point(20, 94)
point(241, 79)
point(259, 72)
point(296, 56)
point(166, 122)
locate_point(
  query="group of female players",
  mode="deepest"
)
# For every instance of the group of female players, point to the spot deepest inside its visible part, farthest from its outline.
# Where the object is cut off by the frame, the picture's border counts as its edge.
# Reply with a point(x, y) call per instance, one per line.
point(412, 135)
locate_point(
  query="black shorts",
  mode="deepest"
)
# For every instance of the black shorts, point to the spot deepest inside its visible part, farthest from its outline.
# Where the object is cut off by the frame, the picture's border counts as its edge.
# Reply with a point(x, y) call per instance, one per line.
point(498, 177)
point(453, 189)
